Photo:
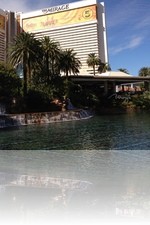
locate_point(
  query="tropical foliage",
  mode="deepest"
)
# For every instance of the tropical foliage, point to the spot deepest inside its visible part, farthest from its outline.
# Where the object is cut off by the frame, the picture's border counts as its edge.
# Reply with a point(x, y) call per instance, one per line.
point(144, 100)
point(104, 67)
point(123, 70)
point(43, 62)
point(10, 83)
point(69, 63)
point(93, 61)
point(96, 63)
point(51, 56)
point(139, 101)
point(144, 72)
point(25, 49)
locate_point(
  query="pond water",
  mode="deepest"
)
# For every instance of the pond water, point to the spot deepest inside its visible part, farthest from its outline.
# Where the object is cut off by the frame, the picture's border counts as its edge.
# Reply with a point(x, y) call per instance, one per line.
point(107, 182)
point(130, 131)
point(74, 187)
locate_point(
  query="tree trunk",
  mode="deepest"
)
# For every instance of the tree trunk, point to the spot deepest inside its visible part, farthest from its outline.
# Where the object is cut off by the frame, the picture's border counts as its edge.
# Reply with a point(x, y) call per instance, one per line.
point(94, 70)
point(67, 75)
point(25, 83)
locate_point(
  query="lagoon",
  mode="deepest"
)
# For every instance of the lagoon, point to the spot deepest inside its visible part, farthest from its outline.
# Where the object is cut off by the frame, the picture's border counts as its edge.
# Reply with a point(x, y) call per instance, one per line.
point(104, 132)
point(93, 171)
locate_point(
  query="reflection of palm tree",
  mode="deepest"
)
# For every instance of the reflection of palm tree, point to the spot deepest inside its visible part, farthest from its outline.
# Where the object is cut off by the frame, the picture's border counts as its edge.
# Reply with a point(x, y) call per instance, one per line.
point(25, 49)
point(93, 61)
point(69, 63)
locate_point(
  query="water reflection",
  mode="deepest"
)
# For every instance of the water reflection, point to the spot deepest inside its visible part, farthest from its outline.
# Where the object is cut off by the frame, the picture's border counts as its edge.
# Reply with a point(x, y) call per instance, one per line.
point(74, 187)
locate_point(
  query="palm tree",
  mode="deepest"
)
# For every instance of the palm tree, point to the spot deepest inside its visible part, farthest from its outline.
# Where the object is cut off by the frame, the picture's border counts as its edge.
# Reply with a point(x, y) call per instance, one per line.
point(144, 72)
point(123, 70)
point(25, 49)
point(104, 67)
point(51, 55)
point(93, 61)
point(69, 63)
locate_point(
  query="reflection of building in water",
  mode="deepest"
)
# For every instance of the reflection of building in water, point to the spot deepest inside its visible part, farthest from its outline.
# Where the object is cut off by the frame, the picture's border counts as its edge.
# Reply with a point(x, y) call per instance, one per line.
point(136, 205)
point(2, 188)
point(33, 194)
point(28, 195)
point(65, 187)
point(49, 182)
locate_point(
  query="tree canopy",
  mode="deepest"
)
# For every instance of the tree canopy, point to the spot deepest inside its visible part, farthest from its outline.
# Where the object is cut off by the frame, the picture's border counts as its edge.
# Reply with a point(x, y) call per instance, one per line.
point(123, 70)
point(10, 83)
point(93, 61)
point(51, 56)
point(25, 49)
point(103, 67)
point(41, 59)
point(144, 72)
point(69, 63)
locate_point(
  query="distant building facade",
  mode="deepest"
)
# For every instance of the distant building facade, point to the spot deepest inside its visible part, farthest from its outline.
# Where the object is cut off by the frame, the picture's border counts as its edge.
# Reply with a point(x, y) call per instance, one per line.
point(2, 35)
point(79, 25)
point(9, 27)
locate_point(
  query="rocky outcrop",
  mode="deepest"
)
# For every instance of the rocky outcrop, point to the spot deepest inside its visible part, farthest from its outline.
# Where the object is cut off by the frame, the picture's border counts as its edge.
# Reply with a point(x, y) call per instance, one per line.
point(11, 120)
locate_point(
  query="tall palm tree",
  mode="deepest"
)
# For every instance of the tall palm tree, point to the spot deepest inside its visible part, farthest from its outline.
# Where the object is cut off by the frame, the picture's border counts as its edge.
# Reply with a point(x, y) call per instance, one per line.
point(144, 72)
point(24, 49)
point(93, 61)
point(69, 63)
point(51, 55)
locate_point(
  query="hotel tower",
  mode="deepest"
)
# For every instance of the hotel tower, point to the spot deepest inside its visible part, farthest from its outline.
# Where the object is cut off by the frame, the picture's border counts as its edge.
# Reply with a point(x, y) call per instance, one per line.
point(79, 25)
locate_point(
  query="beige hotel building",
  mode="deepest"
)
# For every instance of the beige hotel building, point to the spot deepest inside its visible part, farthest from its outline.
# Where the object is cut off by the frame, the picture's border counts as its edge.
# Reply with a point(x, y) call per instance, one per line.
point(79, 25)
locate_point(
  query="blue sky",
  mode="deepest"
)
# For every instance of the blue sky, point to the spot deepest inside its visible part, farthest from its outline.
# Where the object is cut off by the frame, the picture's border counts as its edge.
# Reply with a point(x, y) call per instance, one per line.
point(128, 29)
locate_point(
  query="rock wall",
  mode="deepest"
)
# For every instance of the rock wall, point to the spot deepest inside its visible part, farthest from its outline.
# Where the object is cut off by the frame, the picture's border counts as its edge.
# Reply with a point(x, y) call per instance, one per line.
point(11, 120)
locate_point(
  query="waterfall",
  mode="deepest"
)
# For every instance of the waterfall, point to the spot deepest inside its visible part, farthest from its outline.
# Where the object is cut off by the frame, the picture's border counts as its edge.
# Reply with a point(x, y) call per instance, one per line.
point(85, 114)
point(11, 120)
point(7, 121)
point(2, 109)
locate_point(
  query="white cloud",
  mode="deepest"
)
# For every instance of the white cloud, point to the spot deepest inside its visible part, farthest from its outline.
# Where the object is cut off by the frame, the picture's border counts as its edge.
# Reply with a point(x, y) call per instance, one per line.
point(143, 22)
point(31, 5)
point(16, 5)
point(136, 41)
point(133, 43)
point(24, 5)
